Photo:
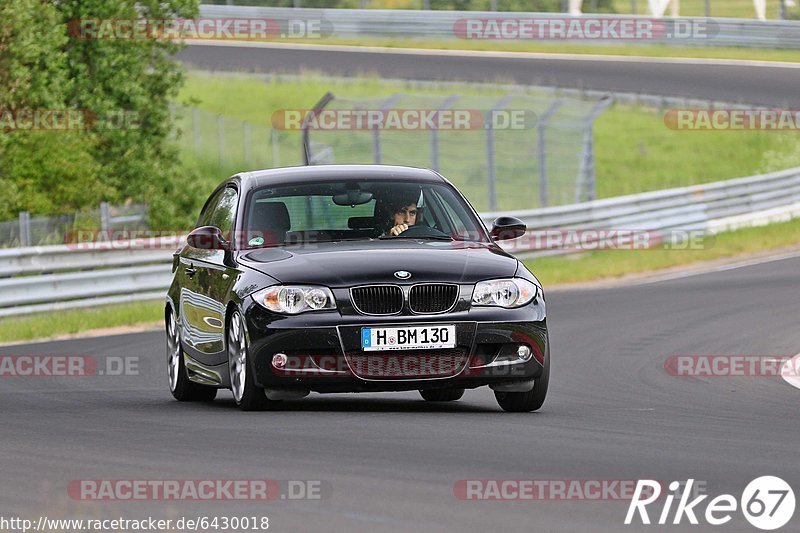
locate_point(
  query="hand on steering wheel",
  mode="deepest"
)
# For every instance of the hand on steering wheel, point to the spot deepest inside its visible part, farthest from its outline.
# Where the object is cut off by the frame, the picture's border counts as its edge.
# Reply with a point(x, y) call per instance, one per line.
point(398, 229)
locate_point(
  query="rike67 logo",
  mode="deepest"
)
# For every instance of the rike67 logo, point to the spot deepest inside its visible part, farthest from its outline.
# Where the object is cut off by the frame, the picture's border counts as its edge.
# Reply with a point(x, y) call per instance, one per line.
point(767, 502)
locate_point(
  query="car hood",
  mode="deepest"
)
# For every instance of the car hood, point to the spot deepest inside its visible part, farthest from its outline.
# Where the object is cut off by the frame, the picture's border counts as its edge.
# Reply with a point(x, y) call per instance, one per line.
point(345, 264)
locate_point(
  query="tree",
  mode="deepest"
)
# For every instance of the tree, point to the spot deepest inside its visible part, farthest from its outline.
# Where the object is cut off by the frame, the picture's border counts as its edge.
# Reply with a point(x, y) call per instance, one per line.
point(42, 66)
point(40, 171)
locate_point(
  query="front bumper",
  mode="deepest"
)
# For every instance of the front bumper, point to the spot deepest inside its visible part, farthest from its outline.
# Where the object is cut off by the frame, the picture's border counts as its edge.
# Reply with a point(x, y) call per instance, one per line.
point(323, 350)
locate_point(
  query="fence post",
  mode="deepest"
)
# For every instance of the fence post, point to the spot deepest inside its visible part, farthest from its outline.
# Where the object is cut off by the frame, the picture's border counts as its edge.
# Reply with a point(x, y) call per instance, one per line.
point(196, 129)
point(586, 174)
point(490, 150)
point(246, 134)
point(105, 218)
point(24, 228)
point(276, 152)
point(542, 146)
point(221, 138)
point(376, 146)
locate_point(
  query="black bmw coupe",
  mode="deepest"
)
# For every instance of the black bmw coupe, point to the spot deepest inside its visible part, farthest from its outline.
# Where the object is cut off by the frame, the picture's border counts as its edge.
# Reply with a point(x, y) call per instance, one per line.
point(352, 278)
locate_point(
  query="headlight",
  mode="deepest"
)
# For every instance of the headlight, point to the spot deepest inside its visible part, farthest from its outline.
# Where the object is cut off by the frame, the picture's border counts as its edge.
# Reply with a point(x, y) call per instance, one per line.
point(508, 293)
point(295, 299)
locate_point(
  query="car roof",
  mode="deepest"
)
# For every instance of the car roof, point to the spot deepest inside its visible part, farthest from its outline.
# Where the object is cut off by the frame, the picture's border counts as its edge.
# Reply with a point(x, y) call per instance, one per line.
point(316, 173)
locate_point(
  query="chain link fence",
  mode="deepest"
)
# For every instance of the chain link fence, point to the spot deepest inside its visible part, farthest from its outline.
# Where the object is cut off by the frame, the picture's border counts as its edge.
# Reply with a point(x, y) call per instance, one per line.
point(229, 141)
point(547, 160)
point(523, 151)
point(39, 231)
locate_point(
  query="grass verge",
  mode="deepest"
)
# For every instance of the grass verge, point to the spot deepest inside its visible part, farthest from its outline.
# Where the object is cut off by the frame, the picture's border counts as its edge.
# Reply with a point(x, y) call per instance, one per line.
point(71, 321)
point(609, 264)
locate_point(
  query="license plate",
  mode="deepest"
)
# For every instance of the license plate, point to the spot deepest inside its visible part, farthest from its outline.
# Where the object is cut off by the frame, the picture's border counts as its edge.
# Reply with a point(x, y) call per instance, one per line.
point(409, 338)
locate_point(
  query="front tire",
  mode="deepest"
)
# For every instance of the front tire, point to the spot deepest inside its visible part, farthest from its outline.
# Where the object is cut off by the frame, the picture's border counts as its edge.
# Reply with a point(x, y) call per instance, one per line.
point(248, 395)
point(441, 395)
point(181, 387)
point(525, 402)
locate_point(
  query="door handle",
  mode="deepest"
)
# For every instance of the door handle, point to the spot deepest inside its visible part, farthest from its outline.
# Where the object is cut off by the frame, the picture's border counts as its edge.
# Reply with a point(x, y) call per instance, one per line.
point(191, 271)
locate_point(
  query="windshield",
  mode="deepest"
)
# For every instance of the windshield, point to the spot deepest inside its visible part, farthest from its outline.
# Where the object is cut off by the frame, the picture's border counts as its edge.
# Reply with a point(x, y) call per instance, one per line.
point(358, 210)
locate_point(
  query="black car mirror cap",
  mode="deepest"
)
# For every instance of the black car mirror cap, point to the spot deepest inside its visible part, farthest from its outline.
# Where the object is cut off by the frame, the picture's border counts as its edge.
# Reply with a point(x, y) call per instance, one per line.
point(207, 238)
point(507, 228)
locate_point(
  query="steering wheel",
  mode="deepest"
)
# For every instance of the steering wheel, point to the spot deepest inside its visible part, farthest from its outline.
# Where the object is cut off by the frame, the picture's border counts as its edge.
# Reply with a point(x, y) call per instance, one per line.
point(421, 230)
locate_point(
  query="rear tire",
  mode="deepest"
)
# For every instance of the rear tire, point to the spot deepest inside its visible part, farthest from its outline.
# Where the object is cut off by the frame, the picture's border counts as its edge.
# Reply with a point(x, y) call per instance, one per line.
point(248, 395)
point(441, 395)
point(525, 402)
point(181, 387)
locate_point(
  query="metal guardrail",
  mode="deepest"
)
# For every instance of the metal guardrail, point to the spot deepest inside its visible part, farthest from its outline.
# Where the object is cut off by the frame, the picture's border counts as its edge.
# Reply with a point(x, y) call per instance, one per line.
point(710, 207)
point(48, 278)
point(377, 23)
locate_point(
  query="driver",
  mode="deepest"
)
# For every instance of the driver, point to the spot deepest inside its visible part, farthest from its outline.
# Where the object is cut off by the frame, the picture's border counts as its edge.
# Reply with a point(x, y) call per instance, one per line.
point(403, 212)
point(404, 217)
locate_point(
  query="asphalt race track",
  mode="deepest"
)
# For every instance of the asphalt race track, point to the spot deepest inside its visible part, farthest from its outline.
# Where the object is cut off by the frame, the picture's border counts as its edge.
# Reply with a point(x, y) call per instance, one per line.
point(750, 83)
point(390, 462)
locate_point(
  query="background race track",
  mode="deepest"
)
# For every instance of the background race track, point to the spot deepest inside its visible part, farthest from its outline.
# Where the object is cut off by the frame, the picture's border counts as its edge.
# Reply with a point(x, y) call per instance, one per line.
point(750, 82)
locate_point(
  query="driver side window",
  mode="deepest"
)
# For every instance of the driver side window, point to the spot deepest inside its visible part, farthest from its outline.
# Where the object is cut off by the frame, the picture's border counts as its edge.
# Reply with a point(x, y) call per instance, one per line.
point(220, 212)
point(205, 215)
point(225, 212)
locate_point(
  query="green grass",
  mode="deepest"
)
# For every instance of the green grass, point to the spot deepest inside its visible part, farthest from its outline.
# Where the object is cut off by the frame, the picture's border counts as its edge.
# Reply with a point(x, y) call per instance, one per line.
point(609, 264)
point(635, 151)
point(621, 49)
point(54, 324)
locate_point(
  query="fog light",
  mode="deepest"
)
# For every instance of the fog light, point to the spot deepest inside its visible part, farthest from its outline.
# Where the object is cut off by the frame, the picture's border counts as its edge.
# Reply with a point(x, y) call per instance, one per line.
point(524, 352)
point(279, 360)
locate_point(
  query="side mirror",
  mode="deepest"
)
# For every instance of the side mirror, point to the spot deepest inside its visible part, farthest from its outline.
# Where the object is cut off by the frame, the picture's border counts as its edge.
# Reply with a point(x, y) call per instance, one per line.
point(507, 228)
point(206, 238)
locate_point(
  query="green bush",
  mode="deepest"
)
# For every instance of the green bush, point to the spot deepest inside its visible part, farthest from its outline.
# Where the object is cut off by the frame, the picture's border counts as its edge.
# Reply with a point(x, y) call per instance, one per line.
point(43, 67)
